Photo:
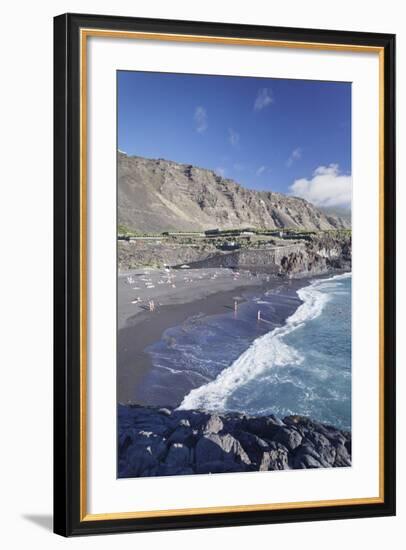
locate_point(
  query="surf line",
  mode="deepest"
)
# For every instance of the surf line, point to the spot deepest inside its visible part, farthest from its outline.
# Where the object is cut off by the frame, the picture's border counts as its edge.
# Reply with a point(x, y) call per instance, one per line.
point(264, 353)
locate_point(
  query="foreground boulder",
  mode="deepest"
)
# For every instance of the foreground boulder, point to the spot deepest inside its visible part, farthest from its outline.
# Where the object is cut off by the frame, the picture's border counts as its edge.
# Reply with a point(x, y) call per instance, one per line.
point(159, 442)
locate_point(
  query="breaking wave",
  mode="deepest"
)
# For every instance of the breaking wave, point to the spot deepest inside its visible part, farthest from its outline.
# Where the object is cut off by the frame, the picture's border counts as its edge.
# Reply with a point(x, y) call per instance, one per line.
point(266, 352)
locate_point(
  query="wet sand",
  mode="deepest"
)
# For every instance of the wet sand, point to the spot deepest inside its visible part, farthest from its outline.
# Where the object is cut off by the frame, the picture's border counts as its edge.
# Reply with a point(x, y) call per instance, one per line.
point(139, 327)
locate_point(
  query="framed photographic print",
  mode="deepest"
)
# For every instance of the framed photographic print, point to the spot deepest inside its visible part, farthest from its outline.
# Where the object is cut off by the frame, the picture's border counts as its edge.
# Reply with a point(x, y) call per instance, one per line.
point(224, 274)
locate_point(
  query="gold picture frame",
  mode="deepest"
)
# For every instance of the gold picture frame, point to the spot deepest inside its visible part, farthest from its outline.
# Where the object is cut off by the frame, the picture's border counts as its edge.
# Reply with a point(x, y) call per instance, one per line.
point(71, 46)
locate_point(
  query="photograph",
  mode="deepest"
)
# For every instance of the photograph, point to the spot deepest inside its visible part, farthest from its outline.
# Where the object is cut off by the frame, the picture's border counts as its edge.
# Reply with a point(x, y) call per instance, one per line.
point(234, 274)
point(200, 297)
point(216, 361)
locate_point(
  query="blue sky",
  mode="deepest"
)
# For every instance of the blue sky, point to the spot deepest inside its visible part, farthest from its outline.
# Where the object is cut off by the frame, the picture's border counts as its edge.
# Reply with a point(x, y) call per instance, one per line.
point(291, 136)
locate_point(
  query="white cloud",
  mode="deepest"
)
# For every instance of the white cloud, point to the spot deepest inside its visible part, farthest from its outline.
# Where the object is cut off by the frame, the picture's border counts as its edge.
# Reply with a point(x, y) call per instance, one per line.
point(201, 119)
point(327, 187)
point(220, 171)
point(263, 99)
point(296, 154)
point(260, 170)
point(234, 137)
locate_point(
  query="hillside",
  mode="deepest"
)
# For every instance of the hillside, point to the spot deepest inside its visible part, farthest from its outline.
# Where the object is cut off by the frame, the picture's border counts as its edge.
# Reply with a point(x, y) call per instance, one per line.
point(160, 195)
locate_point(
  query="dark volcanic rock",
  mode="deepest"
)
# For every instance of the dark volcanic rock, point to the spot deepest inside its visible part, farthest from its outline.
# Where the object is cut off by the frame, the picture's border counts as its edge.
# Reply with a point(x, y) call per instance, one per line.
point(276, 458)
point(289, 437)
point(253, 445)
point(183, 435)
point(178, 455)
point(343, 456)
point(263, 426)
point(160, 442)
point(214, 447)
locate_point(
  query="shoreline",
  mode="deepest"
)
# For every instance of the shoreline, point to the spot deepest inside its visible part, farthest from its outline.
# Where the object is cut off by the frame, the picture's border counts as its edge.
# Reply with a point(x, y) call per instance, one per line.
point(145, 328)
point(159, 440)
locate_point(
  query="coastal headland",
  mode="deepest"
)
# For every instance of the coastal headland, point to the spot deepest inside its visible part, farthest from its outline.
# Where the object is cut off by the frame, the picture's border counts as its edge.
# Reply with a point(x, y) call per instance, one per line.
point(163, 441)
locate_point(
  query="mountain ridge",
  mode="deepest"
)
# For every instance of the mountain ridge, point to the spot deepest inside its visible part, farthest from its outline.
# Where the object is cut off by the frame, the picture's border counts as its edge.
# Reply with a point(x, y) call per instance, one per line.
point(156, 195)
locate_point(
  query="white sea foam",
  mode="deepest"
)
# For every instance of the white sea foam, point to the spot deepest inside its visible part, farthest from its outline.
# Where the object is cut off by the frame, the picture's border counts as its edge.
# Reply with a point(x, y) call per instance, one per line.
point(265, 352)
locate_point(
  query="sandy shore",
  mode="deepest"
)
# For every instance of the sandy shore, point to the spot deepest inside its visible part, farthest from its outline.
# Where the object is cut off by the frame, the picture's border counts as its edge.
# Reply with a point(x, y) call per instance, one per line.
point(204, 291)
point(168, 287)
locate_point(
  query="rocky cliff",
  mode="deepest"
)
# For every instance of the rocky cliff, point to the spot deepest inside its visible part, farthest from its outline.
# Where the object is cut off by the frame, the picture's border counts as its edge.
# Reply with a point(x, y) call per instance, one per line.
point(158, 442)
point(316, 255)
point(321, 254)
point(160, 195)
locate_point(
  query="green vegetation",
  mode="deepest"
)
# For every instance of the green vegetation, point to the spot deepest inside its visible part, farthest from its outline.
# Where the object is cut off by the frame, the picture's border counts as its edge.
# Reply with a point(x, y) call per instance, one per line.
point(188, 237)
point(124, 231)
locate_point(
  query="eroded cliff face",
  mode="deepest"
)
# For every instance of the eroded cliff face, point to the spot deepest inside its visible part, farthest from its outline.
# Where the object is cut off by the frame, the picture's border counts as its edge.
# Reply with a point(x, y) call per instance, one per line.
point(318, 256)
point(160, 195)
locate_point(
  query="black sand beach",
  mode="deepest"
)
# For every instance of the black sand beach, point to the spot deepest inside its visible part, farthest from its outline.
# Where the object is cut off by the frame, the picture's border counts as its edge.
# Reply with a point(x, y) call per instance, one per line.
point(208, 296)
point(155, 438)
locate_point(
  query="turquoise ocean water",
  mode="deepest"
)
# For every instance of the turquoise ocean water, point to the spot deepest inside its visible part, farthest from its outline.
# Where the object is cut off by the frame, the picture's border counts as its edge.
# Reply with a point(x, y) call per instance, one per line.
point(299, 363)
